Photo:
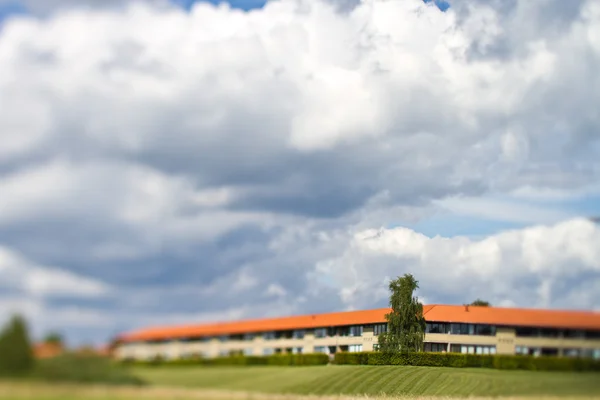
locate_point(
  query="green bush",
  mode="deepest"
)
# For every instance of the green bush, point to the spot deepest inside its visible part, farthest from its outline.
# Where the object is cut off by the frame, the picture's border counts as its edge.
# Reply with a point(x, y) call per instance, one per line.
point(276, 359)
point(16, 354)
point(297, 359)
point(83, 369)
point(456, 360)
point(351, 358)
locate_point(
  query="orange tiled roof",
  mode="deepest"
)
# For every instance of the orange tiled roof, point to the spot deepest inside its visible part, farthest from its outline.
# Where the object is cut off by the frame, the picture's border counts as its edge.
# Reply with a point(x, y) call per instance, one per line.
point(515, 317)
point(436, 313)
point(47, 350)
point(261, 325)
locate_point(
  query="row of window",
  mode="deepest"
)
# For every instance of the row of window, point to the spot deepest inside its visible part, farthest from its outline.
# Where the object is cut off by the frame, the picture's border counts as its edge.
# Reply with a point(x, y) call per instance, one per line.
point(490, 330)
point(344, 331)
point(356, 330)
point(459, 348)
point(472, 349)
point(553, 351)
point(355, 348)
point(432, 327)
point(461, 329)
point(556, 333)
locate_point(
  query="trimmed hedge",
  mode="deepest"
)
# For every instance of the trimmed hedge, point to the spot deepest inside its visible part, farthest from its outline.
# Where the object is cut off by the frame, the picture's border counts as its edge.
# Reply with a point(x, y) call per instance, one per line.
point(83, 369)
point(456, 360)
point(276, 359)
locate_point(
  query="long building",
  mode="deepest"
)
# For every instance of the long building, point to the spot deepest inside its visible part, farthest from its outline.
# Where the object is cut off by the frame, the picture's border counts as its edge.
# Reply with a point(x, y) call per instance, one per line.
point(450, 328)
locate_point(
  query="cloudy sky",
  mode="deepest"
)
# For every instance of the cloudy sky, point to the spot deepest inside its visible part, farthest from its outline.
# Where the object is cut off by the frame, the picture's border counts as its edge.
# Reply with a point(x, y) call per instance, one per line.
point(167, 162)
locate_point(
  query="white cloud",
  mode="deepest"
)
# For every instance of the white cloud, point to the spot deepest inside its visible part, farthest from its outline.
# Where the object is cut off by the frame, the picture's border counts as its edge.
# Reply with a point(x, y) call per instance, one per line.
point(219, 146)
point(41, 281)
point(528, 267)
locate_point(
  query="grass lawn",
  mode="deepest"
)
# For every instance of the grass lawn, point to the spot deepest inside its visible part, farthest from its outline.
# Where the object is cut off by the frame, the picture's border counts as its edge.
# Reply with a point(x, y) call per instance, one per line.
point(40, 391)
point(331, 382)
point(377, 380)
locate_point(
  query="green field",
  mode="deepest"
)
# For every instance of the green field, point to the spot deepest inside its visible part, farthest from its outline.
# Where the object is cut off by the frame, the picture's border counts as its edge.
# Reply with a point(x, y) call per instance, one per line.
point(271, 383)
point(378, 380)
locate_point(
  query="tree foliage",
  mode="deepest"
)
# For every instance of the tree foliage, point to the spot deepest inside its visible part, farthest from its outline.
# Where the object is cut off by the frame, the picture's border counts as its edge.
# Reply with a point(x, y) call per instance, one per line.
point(406, 324)
point(16, 353)
point(481, 303)
point(54, 338)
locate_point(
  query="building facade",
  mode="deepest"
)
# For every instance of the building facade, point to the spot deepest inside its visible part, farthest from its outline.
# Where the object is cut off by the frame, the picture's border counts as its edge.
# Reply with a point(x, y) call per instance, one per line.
point(459, 329)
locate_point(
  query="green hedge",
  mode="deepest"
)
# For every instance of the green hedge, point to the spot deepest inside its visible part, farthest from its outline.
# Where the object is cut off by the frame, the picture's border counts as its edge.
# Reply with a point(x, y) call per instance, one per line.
point(276, 359)
point(456, 360)
point(83, 369)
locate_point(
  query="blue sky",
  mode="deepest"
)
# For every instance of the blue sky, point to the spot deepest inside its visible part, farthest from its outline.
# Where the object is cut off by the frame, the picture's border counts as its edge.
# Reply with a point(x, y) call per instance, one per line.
point(14, 7)
point(293, 158)
point(10, 9)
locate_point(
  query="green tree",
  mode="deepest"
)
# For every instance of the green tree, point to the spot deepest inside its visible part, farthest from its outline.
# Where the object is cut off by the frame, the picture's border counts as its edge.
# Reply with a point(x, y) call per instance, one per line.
point(16, 353)
point(481, 303)
point(54, 338)
point(406, 324)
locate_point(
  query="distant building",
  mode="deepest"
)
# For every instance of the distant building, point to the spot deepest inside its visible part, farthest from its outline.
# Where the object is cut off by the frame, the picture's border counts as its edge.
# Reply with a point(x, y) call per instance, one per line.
point(458, 329)
point(47, 350)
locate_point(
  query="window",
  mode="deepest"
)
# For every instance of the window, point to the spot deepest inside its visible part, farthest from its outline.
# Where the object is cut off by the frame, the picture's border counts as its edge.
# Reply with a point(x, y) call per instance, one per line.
point(470, 329)
point(299, 334)
point(356, 330)
point(355, 348)
point(472, 349)
point(284, 334)
point(574, 334)
point(592, 334)
point(269, 335)
point(248, 351)
point(268, 351)
point(549, 351)
point(343, 331)
point(249, 336)
point(435, 347)
point(320, 332)
point(321, 349)
point(378, 329)
point(590, 353)
point(527, 351)
point(526, 332)
point(436, 328)
point(297, 350)
point(486, 330)
point(549, 333)
point(223, 338)
point(574, 353)
point(195, 339)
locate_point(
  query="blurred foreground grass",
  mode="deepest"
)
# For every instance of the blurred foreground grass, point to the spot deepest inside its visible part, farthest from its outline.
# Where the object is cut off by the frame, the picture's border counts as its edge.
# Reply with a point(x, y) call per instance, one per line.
point(46, 391)
point(81, 377)
point(376, 380)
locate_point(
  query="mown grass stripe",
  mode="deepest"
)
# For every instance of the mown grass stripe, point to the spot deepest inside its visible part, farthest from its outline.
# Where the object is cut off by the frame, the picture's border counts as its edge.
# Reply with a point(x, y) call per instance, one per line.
point(377, 380)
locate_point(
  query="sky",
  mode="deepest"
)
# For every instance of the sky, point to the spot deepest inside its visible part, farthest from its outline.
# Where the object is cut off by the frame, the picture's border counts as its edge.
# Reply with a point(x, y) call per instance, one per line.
point(169, 162)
